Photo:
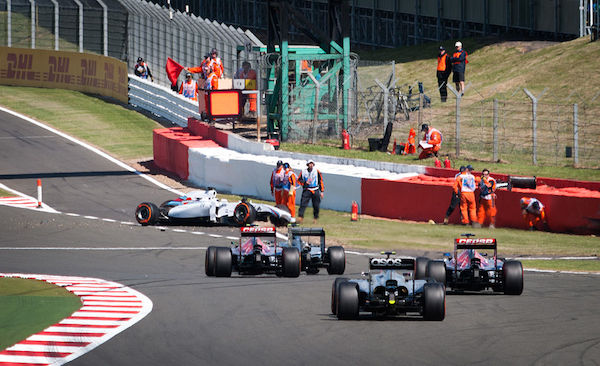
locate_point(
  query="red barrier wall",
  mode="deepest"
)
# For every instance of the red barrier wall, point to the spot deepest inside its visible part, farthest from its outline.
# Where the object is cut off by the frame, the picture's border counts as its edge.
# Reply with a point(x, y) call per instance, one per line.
point(428, 200)
point(171, 146)
point(203, 129)
point(554, 182)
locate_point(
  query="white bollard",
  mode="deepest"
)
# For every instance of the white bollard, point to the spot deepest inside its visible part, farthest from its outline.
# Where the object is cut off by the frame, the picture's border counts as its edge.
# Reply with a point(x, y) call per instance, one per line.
point(39, 192)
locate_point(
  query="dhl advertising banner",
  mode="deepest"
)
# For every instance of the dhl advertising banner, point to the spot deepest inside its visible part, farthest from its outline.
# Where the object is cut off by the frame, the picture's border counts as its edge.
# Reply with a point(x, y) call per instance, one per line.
point(83, 72)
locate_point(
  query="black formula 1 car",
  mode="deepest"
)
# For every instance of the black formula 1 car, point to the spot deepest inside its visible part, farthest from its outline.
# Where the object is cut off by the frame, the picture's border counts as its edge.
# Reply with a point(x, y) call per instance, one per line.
point(315, 256)
point(256, 253)
point(390, 288)
point(476, 268)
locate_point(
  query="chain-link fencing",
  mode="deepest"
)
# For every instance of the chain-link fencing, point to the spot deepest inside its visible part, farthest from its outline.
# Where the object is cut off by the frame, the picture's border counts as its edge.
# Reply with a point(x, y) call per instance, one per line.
point(557, 131)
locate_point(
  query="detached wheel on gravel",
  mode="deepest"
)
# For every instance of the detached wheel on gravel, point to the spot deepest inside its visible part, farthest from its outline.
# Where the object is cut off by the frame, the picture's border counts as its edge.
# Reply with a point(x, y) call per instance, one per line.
point(434, 301)
point(223, 260)
point(436, 270)
point(337, 260)
point(421, 268)
point(347, 301)
point(146, 213)
point(290, 257)
point(335, 288)
point(512, 272)
point(209, 261)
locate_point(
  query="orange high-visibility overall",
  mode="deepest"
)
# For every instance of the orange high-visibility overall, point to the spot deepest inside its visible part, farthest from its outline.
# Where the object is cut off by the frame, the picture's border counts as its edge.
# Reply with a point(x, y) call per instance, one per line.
point(465, 186)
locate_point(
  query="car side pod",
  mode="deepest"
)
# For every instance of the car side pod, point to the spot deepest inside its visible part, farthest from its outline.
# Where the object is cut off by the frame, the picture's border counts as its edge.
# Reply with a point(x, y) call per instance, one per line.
point(347, 301)
point(434, 301)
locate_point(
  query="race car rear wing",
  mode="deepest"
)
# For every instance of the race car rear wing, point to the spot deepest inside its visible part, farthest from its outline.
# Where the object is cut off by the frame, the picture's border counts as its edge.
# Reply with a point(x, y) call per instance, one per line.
point(252, 231)
point(407, 264)
point(468, 243)
point(294, 232)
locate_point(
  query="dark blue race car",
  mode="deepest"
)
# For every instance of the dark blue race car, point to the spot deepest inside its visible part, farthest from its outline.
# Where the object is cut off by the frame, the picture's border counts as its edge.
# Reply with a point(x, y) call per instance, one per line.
point(389, 288)
point(475, 268)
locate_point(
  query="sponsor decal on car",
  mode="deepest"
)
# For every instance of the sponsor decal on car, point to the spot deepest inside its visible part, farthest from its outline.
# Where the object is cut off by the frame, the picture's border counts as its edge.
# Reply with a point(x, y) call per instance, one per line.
point(475, 241)
point(258, 230)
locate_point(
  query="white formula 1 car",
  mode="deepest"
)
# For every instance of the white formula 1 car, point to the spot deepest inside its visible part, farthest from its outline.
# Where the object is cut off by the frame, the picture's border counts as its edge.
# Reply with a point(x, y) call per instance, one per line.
point(204, 206)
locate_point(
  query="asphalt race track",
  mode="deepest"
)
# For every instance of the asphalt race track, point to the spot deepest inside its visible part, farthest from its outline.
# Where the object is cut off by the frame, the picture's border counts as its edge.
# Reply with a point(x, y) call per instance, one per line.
point(255, 320)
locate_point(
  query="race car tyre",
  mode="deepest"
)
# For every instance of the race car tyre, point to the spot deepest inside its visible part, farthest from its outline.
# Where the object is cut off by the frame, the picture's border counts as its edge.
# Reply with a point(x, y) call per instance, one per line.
point(146, 213)
point(223, 262)
point(434, 301)
point(335, 288)
point(209, 261)
point(244, 214)
point(421, 268)
point(278, 221)
point(436, 270)
point(347, 301)
point(337, 260)
point(513, 277)
point(291, 262)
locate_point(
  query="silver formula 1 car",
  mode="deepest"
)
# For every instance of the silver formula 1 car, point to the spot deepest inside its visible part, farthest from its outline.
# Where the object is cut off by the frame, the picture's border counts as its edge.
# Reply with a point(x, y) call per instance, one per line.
point(390, 288)
point(204, 206)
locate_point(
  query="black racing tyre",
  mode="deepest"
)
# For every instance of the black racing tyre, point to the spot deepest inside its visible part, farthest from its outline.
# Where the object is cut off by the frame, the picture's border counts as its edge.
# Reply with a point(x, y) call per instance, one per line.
point(434, 301)
point(421, 268)
point(290, 262)
point(347, 301)
point(512, 273)
point(244, 213)
point(209, 261)
point(146, 213)
point(278, 221)
point(335, 288)
point(223, 260)
point(436, 270)
point(337, 260)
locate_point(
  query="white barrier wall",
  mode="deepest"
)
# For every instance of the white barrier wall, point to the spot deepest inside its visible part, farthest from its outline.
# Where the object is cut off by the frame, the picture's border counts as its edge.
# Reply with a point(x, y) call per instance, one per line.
point(229, 171)
point(161, 101)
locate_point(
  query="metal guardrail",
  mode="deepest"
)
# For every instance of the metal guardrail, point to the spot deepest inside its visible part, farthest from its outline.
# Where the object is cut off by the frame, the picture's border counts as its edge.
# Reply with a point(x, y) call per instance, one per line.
point(161, 101)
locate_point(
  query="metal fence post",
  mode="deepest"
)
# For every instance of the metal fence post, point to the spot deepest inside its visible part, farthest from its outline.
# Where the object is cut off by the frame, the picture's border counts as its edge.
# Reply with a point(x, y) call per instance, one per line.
point(32, 7)
point(534, 102)
point(386, 93)
point(56, 22)
point(420, 114)
point(575, 134)
point(495, 134)
point(80, 25)
point(104, 27)
point(8, 23)
point(458, 99)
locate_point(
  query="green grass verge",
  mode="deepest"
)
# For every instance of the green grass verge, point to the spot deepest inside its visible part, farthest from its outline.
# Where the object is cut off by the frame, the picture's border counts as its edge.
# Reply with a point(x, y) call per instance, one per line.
point(29, 306)
point(4, 193)
point(564, 265)
point(119, 131)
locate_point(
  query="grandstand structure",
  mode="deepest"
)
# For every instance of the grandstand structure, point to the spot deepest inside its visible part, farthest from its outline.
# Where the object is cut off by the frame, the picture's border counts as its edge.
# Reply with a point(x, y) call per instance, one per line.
point(393, 23)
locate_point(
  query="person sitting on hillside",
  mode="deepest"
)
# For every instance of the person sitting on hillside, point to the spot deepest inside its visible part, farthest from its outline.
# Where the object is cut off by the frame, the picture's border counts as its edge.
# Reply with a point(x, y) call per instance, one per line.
point(431, 143)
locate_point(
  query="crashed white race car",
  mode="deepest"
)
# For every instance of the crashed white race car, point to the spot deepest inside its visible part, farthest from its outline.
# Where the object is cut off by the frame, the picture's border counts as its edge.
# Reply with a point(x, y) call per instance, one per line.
point(204, 206)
